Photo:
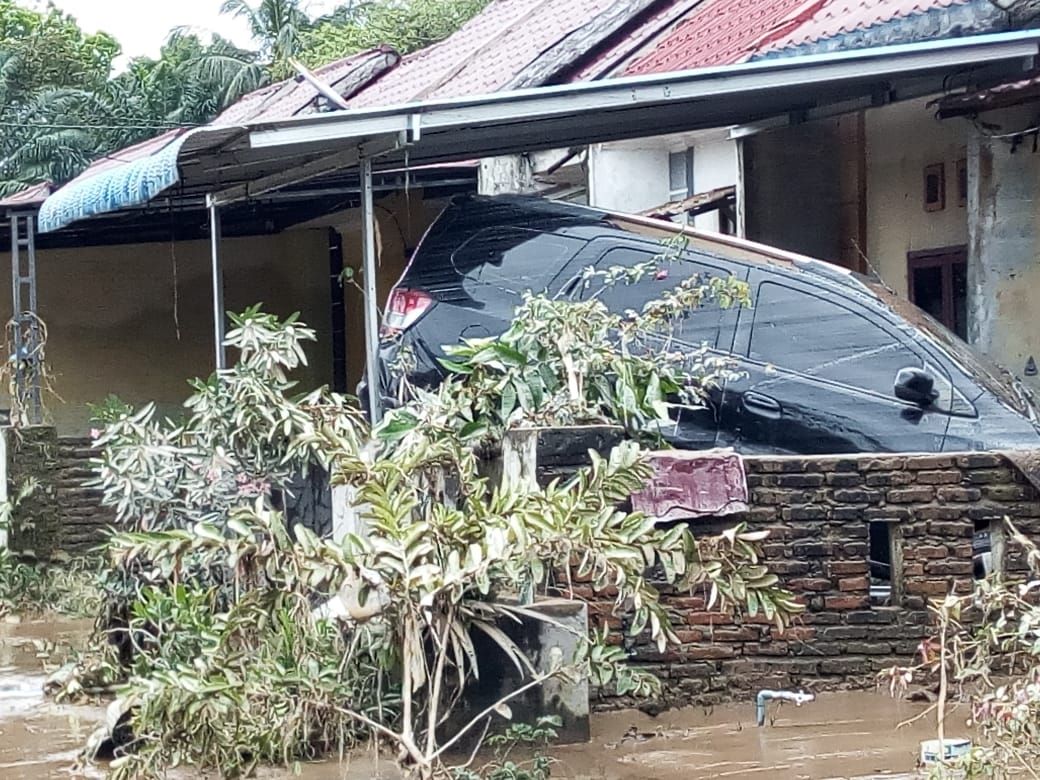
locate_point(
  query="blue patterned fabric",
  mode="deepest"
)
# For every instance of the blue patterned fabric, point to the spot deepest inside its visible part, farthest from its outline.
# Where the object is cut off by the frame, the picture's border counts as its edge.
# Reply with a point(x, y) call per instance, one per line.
point(132, 184)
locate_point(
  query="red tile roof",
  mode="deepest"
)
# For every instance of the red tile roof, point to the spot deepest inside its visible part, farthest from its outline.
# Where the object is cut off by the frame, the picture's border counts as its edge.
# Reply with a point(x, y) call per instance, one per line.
point(721, 32)
point(838, 17)
point(485, 54)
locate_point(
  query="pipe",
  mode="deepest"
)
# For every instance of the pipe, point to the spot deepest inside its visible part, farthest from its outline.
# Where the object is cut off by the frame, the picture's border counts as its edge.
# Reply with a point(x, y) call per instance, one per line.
point(764, 696)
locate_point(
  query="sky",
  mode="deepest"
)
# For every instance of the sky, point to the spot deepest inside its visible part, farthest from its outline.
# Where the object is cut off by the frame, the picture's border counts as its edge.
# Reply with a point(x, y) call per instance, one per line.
point(141, 26)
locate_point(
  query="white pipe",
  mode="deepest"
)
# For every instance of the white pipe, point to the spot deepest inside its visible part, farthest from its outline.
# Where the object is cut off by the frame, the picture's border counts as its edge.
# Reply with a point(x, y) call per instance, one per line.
point(764, 696)
point(371, 303)
point(218, 283)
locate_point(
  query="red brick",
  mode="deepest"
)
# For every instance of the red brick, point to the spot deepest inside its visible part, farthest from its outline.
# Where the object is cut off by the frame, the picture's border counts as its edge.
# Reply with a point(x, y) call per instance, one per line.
point(742, 634)
point(846, 602)
point(707, 618)
point(838, 568)
point(688, 636)
point(813, 584)
point(709, 652)
point(853, 584)
point(928, 587)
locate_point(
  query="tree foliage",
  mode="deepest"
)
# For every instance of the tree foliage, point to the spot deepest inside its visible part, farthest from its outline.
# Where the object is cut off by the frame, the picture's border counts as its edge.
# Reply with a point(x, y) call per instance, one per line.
point(250, 642)
point(404, 25)
point(62, 105)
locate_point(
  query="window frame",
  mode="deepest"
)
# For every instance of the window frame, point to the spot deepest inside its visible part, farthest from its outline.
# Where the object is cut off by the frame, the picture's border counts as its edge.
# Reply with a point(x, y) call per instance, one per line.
point(945, 403)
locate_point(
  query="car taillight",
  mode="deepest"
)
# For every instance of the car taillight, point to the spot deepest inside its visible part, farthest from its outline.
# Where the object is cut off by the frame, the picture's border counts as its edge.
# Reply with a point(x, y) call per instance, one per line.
point(403, 309)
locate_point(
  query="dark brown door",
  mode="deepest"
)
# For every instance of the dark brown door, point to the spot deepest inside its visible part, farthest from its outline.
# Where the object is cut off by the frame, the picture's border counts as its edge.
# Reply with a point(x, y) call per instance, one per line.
point(938, 280)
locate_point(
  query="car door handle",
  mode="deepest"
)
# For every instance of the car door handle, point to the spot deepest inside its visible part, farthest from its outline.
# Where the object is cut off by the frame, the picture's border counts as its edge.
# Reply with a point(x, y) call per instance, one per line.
point(762, 405)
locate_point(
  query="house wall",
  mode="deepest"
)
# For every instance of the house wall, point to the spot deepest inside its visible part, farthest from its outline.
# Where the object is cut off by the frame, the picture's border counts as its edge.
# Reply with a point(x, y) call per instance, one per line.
point(792, 189)
point(714, 166)
point(136, 320)
point(628, 178)
point(1004, 243)
point(901, 139)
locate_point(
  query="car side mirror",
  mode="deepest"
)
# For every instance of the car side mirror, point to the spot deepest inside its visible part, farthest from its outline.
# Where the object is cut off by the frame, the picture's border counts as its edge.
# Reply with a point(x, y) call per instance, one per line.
point(916, 386)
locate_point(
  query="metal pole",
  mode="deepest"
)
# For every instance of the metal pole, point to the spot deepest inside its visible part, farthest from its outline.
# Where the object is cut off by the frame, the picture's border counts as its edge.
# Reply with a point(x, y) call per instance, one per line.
point(368, 239)
point(218, 283)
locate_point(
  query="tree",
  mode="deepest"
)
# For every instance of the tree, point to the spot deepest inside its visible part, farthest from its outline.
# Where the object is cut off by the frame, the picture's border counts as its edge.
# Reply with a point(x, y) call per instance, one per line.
point(51, 76)
point(404, 25)
point(278, 25)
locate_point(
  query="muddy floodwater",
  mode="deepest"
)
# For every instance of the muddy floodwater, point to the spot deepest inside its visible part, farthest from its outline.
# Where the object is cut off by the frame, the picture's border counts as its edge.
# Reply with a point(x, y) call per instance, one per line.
point(841, 735)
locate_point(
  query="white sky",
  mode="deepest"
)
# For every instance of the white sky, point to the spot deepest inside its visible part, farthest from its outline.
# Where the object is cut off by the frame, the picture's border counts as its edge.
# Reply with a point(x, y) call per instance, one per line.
point(141, 26)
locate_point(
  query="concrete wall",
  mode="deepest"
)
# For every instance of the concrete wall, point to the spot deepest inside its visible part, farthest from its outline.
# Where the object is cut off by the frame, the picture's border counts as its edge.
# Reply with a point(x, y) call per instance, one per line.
point(714, 166)
point(627, 177)
point(119, 323)
point(901, 139)
point(793, 189)
point(1004, 246)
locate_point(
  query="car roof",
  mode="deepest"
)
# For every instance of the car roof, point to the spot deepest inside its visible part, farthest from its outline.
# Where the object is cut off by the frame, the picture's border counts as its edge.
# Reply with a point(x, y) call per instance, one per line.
point(718, 244)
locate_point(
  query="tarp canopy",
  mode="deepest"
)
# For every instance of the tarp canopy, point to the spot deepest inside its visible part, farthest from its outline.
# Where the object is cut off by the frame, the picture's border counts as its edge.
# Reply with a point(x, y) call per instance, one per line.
point(234, 163)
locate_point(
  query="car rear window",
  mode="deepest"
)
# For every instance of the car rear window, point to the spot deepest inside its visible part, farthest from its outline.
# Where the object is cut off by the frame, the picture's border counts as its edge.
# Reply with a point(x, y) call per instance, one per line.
point(805, 333)
point(698, 326)
point(514, 259)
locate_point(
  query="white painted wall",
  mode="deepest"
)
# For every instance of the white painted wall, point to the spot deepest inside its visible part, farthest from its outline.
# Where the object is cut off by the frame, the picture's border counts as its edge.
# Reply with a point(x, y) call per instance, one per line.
point(714, 166)
point(627, 178)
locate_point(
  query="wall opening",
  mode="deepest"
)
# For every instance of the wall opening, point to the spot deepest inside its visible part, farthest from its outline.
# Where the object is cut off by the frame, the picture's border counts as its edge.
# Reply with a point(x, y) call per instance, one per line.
point(987, 548)
point(886, 564)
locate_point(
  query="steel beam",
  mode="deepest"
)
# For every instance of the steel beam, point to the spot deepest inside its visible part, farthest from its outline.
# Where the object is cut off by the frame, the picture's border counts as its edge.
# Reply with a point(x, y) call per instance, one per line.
point(217, 269)
point(370, 268)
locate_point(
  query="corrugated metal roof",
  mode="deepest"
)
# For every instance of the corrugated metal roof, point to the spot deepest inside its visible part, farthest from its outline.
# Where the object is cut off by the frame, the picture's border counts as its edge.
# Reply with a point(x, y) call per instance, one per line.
point(29, 197)
point(296, 96)
point(484, 54)
point(840, 17)
point(721, 32)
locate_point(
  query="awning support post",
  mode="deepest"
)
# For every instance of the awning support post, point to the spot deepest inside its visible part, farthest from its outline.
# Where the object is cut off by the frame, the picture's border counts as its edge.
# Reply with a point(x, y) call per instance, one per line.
point(217, 269)
point(368, 238)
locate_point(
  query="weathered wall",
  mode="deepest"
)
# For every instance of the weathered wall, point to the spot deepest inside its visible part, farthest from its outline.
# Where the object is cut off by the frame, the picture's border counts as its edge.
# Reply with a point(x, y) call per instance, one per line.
point(817, 512)
point(901, 139)
point(1004, 246)
point(136, 320)
point(793, 189)
point(84, 519)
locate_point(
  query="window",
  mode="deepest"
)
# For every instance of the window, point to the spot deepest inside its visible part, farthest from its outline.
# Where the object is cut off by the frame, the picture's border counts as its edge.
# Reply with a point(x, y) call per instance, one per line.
point(885, 561)
point(515, 259)
point(935, 187)
point(680, 175)
point(938, 282)
point(802, 332)
point(700, 326)
point(987, 548)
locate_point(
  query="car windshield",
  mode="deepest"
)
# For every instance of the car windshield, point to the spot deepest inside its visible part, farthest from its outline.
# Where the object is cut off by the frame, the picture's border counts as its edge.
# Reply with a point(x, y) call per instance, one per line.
point(988, 374)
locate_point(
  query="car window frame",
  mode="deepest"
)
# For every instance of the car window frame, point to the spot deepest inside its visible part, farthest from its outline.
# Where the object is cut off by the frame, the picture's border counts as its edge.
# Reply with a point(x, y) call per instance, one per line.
point(944, 404)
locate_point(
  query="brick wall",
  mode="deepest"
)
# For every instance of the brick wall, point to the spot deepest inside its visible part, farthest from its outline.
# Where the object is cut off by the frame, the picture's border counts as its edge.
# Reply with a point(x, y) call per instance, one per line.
point(84, 519)
point(818, 513)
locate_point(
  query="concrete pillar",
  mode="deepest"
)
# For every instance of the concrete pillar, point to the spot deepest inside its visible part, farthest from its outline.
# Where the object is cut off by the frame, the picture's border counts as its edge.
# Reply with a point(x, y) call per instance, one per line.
point(1003, 267)
point(509, 174)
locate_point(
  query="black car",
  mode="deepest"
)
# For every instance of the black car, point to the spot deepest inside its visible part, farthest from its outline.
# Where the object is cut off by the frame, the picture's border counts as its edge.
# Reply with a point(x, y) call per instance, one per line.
point(827, 361)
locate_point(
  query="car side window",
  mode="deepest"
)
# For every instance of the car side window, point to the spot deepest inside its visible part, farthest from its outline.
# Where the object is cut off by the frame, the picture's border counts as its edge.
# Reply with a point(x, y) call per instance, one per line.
point(699, 326)
point(808, 334)
point(515, 259)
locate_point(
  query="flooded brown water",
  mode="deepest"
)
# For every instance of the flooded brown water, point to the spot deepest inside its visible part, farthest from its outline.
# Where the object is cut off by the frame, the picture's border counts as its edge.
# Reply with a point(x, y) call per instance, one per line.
point(38, 739)
point(841, 735)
